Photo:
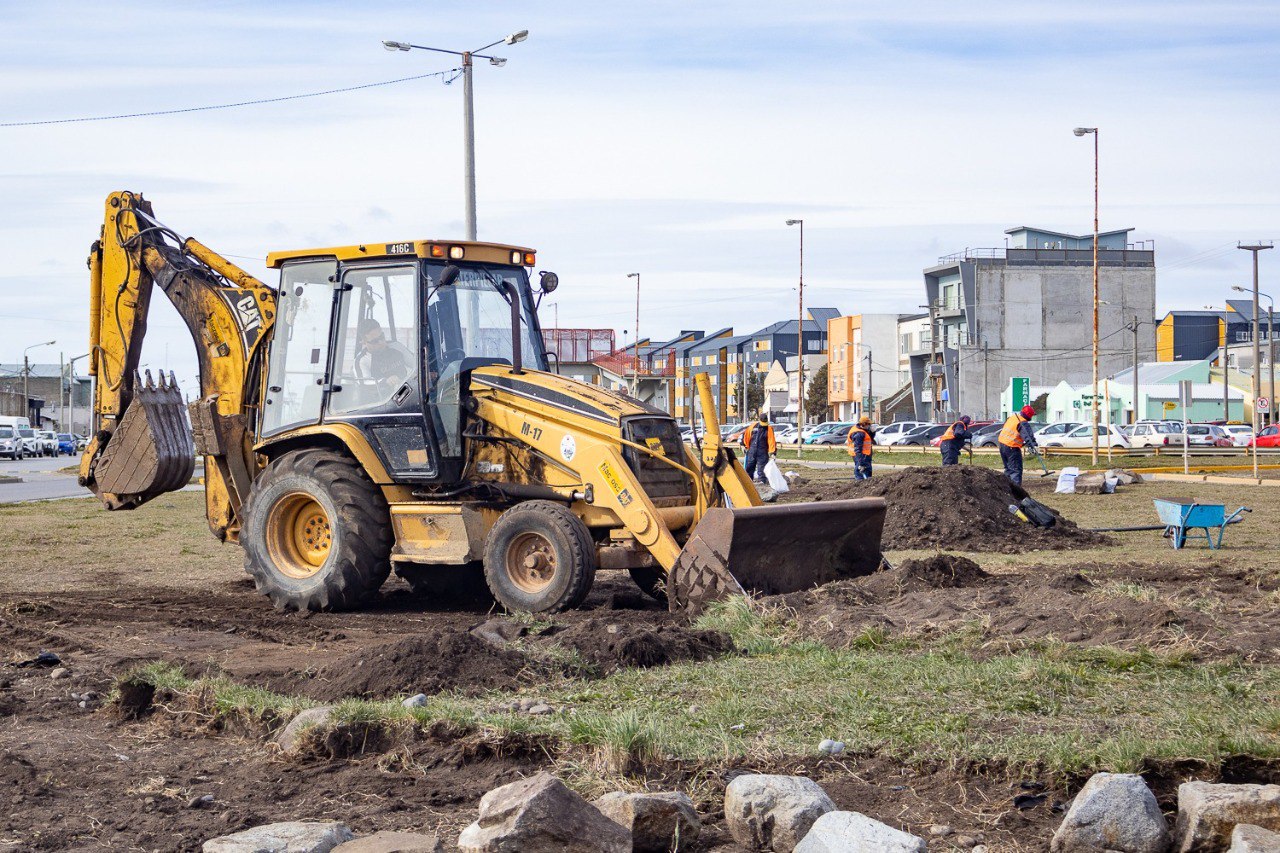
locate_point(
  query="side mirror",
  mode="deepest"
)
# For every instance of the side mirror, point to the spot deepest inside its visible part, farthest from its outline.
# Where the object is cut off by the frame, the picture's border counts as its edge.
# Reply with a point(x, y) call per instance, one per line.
point(449, 275)
point(548, 281)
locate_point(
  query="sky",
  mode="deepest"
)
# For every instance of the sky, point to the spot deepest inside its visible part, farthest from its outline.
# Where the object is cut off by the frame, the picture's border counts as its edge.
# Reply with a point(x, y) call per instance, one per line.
point(673, 139)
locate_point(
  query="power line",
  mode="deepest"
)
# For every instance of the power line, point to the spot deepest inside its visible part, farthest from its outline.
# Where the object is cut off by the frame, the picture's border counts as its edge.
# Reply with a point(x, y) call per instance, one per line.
point(452, 74)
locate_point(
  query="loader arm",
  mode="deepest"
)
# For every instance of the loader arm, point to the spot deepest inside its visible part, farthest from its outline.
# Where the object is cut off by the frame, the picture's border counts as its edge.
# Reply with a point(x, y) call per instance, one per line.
point(143, 445)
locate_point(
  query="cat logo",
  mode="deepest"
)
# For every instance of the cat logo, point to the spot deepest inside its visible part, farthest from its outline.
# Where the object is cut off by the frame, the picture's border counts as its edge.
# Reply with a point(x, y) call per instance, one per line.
point(655, 444)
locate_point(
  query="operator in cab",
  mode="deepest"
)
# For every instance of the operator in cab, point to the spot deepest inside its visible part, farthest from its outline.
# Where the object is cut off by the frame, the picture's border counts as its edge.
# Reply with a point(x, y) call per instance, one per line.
point(953, 441)
point(859, 443)
point(389, 363)
point(1014, 435)
point(761, 445)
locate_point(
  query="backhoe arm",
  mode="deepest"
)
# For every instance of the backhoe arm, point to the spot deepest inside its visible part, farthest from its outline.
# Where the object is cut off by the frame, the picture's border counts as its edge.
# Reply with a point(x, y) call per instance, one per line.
point(143, 445)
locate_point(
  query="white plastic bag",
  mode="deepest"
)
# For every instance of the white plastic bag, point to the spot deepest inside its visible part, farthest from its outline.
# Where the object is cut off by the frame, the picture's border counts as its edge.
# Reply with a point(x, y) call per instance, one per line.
point(1067, 480)
point(773, 474)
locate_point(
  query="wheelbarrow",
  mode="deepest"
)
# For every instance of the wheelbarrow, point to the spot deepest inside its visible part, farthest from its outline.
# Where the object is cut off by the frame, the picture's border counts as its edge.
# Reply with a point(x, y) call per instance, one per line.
point(1184, 518)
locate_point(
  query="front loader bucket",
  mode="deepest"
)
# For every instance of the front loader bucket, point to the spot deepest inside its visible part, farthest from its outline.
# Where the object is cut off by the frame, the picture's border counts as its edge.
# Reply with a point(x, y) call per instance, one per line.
point(775, 549)
point(151, 451)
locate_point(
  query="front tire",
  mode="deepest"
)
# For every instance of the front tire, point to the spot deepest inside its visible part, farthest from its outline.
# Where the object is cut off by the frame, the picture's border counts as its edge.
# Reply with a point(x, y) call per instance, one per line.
point(317, 532)
point(539, 558)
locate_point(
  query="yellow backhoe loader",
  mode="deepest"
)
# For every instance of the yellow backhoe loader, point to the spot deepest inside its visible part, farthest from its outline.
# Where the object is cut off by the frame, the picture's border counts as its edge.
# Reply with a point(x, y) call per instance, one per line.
point(391, 405)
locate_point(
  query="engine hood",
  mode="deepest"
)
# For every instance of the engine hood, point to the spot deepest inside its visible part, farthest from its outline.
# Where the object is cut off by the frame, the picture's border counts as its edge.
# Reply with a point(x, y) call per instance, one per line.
point(570, 395)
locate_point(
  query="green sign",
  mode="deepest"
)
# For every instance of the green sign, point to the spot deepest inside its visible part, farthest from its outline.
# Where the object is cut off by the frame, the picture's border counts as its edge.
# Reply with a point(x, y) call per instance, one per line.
point(1021, 392)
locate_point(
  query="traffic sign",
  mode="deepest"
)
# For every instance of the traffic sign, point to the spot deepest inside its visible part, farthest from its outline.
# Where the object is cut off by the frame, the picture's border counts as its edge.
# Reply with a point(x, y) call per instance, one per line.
point(1170, 406)
point(1021, 392)
point(1264, 404)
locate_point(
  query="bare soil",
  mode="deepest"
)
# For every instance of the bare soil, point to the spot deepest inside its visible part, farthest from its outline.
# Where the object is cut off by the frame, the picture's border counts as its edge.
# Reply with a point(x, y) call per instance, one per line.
point(1209, 613)
point(961, 507)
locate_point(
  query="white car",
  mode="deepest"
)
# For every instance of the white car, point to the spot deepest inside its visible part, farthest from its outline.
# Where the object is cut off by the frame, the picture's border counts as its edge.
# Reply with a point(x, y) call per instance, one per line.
point(1157, 434)
point(1240, 434)
point(48, 440)
point(1082, 437)
point(892, 433)
point(785, 435)
point(1055, 430)
point(11, 443)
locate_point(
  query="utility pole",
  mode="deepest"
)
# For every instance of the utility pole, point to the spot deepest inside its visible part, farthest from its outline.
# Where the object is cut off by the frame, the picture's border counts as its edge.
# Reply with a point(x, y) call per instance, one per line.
point(1255, 248)
point(985, 400)
point(933, 358)
point(635, 373)
point(1081, 131)
point(1134, 419)
point(800, 348)
point(62, 400)
point(870, 391)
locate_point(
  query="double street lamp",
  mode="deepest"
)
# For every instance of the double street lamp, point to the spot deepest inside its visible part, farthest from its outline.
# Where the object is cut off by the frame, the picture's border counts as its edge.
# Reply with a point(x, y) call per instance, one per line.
point(1082, 131)
point(468, 110)
point(1271, 348)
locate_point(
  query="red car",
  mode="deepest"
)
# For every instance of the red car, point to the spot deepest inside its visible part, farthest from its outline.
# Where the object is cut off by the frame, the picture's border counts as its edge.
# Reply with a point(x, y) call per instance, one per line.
point(1269, 437)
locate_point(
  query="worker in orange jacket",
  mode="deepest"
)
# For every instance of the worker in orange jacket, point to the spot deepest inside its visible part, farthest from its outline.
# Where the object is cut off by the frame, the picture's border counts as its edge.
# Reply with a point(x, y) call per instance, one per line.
point(953, 440)
point(859, 443)
point(1014, 435)
point(761, 445)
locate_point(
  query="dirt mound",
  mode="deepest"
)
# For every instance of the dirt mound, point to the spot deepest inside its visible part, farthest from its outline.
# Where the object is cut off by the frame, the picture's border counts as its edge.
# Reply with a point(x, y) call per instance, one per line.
point(423, 664)
point(962, 507)
point(609, 644)
point(1201, 612)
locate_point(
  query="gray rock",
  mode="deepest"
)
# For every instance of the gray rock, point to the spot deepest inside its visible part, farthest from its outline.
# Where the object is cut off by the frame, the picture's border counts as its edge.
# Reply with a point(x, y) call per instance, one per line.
point(1113, 811)
point(851, 832)
point(657, 822)
point(288, 739)
point(940, 830)
point(416, 701)
point(765, 812)
point(60, 673)
point(1247, 838)
point(1124, 476)
point(499, 632)
point(393, 842)
point(292, 837)
point(1207, 813)
point(541, 815)
point(541, 709)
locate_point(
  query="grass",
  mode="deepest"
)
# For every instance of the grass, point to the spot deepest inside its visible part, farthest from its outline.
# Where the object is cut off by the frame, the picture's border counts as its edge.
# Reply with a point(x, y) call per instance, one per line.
point(1049, 706)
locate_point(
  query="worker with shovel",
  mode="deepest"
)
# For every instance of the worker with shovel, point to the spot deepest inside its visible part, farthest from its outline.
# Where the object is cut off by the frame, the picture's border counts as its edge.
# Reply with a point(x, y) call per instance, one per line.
point(1014, 435)
point(859, 443)
point(953, 441)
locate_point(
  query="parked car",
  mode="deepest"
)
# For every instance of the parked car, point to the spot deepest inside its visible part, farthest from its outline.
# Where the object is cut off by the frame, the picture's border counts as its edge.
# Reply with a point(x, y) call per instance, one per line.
point(1157, 434)
point(786, 434)
point(1053, 430)
point(1241, 434)
point(48, 442)
point(889, 433)
point(11, 444)
point(1208, 435)
point(923, 436)
point(835, 436)
point(1268, 437)
point(1082, 437)
point(986, 436)
point(66, 444)
point(817, 429)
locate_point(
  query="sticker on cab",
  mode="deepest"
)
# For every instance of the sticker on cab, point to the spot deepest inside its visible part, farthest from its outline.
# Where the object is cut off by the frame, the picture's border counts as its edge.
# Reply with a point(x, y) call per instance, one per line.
point(611, 479)
point(655, 444)
point(568, 448)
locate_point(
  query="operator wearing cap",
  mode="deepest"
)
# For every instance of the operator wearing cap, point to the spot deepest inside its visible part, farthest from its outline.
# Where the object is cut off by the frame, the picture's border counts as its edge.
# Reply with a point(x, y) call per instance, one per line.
point(953, 440)
point(1016, 434)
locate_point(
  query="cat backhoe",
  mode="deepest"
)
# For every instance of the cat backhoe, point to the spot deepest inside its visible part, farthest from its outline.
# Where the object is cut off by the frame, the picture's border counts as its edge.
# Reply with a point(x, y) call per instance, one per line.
point(391, 406)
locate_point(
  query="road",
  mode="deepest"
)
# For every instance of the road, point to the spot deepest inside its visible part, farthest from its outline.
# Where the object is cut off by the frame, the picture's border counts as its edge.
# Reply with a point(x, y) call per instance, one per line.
point(40, 478)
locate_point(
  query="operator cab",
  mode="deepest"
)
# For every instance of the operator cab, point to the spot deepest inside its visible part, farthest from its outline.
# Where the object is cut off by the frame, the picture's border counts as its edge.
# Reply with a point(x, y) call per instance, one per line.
point(384, 340)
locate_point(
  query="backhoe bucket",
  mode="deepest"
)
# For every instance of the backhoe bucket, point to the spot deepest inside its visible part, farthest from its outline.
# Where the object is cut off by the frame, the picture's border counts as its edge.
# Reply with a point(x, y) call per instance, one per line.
point(151, 451)
point(775, 549)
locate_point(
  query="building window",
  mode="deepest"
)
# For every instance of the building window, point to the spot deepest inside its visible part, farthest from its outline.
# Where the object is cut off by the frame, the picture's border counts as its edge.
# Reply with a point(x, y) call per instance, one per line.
point(814, 346)
point(761, 346)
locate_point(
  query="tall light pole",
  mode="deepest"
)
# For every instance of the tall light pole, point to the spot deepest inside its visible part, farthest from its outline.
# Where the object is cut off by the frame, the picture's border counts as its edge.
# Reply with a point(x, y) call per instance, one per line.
point(635, 371)
point(1271, 351)
point(468, 111)
point(1081, 131)
point(800, 347)
point(26, 374)
point(71, 394)
point(1255, 248)
point(866, 409)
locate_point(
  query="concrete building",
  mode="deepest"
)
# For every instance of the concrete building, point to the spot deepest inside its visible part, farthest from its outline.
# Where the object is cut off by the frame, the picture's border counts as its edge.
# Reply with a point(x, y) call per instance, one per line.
point(862, 365)
point(1027, 310)
point(55, 398)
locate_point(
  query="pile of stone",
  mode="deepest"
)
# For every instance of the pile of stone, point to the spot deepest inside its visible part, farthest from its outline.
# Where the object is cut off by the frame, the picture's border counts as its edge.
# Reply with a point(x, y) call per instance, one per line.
point(792, 814)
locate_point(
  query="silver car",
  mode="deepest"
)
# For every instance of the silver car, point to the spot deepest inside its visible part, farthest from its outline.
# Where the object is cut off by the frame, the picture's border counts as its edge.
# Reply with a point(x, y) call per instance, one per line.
point(11, 445)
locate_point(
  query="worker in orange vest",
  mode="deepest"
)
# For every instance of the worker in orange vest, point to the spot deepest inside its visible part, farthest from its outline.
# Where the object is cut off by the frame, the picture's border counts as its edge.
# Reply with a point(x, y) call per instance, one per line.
point(953, 440)
point(1014, 435)
point(761, 445)
point(859, 443)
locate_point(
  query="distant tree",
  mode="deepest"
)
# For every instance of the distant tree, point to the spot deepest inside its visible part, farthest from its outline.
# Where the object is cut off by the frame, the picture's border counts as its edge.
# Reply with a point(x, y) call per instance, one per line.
point(755, 394)
point(815, 396)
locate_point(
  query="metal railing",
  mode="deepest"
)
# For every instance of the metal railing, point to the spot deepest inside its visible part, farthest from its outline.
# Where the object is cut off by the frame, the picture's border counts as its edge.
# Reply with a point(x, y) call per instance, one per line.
point(1127, 257)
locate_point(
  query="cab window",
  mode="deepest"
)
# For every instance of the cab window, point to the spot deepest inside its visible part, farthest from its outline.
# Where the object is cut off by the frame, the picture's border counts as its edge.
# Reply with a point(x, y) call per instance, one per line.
point(376, 361)
point(300, 348)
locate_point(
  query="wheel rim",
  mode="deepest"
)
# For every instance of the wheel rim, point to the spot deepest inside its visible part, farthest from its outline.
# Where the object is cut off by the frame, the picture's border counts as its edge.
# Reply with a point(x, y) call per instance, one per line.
point(299, 535)
point(531, 562)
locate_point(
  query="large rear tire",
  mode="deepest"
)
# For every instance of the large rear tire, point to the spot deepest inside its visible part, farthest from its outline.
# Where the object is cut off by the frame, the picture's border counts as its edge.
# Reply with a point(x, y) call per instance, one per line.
point(317, 532)
point(539, 558)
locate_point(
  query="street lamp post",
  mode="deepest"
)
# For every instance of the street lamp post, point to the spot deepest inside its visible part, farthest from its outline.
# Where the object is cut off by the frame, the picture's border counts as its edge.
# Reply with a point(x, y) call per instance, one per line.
point(800, 348)
point(26, 374)
point(1255, 248)
point(1081, 131)
point(866, 409)
point(635, 370)
point(71, 392)
point(468, 111)
point(1271, 352)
